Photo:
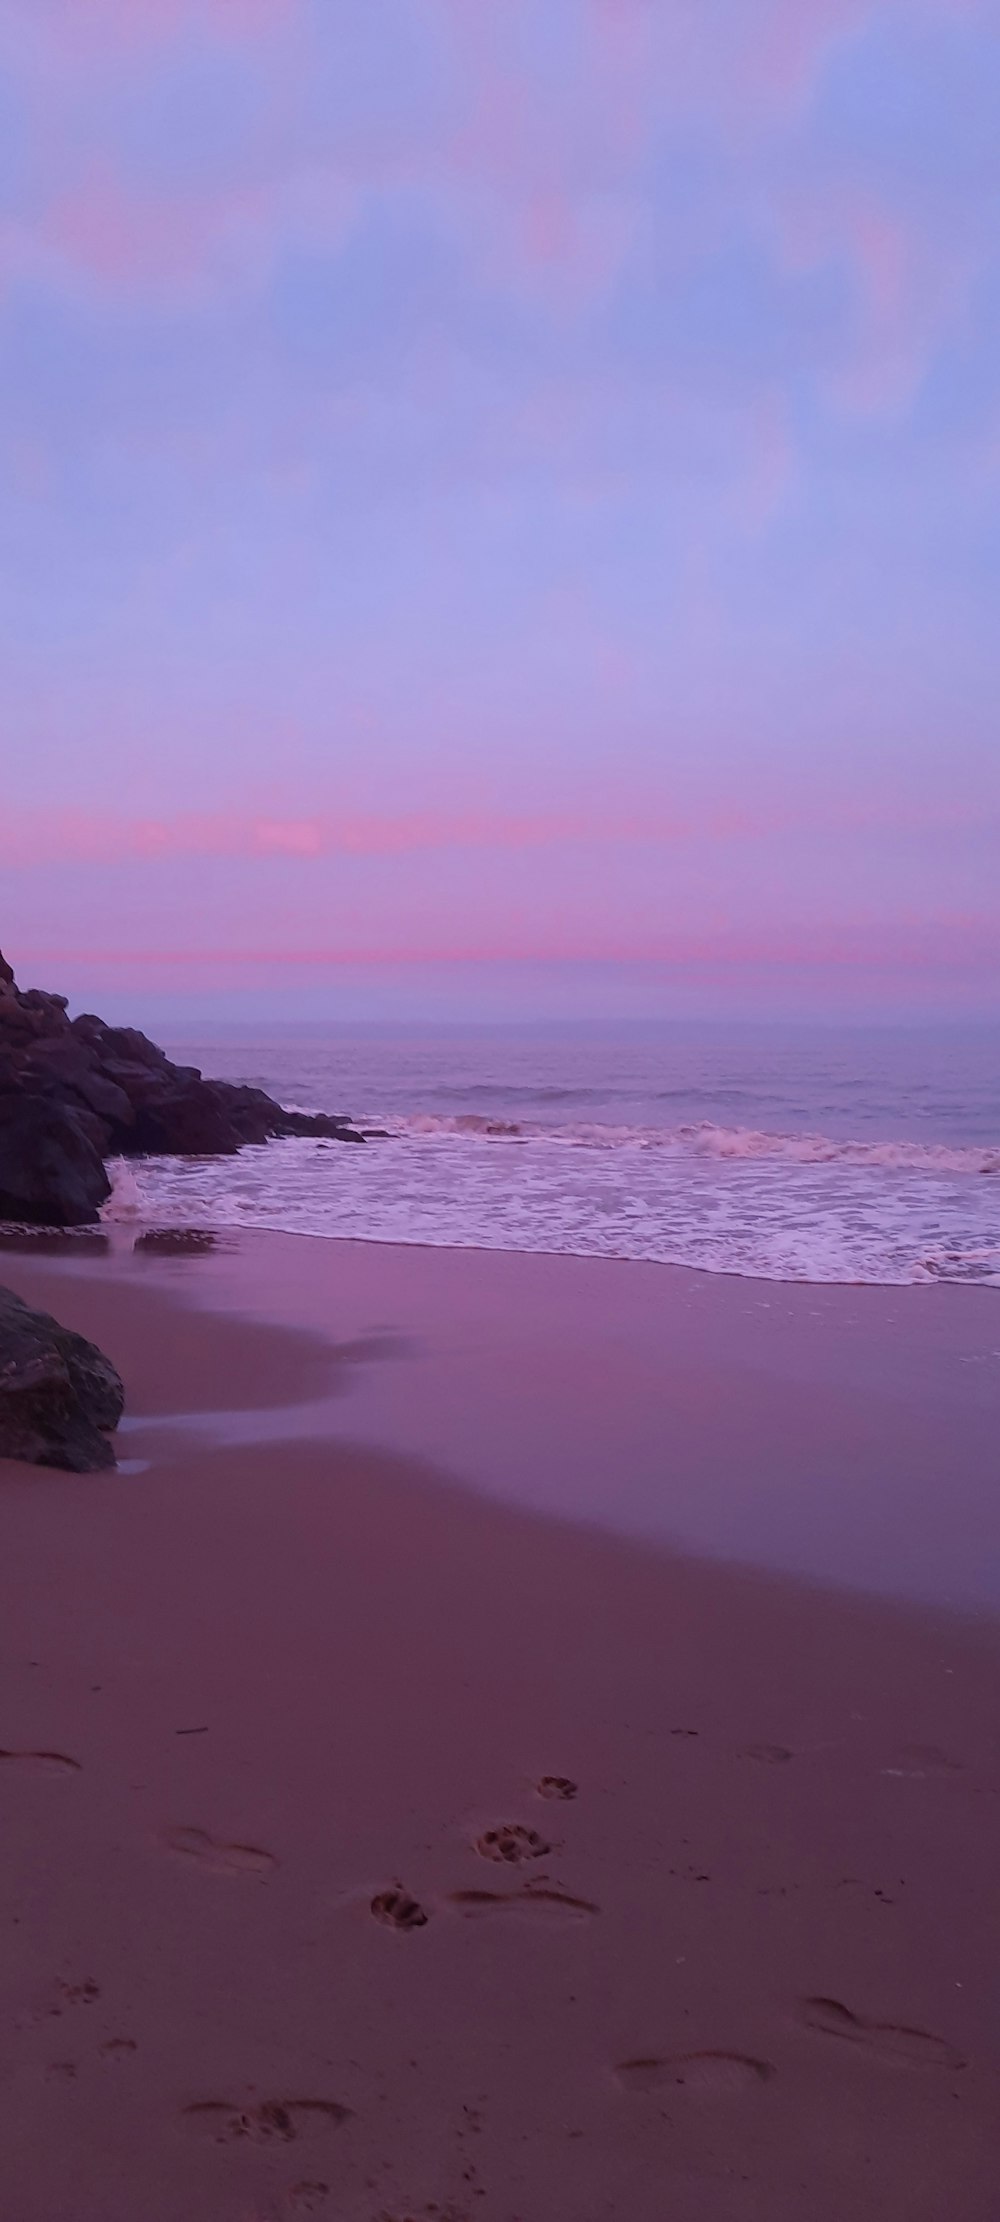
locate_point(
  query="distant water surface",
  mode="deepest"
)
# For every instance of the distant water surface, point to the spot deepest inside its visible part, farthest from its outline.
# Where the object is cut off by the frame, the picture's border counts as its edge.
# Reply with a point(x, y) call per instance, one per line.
point(789, 1153)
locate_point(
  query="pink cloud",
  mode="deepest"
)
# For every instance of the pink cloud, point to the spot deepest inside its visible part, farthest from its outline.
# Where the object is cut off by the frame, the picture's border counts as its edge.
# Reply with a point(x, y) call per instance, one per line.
point(133, 27)
point(941, 946)
point(537, 180)
point(910, 285)
point(99, 233)
point(37, 837)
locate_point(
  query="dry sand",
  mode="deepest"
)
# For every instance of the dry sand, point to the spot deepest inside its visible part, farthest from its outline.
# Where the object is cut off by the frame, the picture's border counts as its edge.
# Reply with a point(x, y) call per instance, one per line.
point(297, 1919)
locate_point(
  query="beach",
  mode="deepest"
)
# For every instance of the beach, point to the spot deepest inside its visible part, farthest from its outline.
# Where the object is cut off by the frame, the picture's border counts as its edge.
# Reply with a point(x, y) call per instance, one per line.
point(516, 1738)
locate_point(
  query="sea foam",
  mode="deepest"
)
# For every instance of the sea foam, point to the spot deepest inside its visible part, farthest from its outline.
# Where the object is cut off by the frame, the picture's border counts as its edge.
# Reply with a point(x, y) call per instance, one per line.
point(796, 1207)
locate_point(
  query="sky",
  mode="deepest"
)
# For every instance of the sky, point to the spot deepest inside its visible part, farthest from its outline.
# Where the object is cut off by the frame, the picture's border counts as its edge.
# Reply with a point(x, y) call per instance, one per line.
point(500, 506)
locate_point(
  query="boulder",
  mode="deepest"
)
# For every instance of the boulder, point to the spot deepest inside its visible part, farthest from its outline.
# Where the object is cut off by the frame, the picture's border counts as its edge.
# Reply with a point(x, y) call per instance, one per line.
point(123, 1044)
point(322, 1123)
point(75, 1090)
point(60, 1397)
point(63, 1065)
point(51, 1169)
point(183, 1120)
point(19, 1025)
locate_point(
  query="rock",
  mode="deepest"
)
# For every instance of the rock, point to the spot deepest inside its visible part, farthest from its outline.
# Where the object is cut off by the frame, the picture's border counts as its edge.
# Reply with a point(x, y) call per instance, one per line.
point(321, 1123)
point(184, 1121)
point(60, 1397)
point(121, 1044)
point(51, 1170)
point(66, 1062)
point(18, 1023)
point(96, 1090)
point(39, 999)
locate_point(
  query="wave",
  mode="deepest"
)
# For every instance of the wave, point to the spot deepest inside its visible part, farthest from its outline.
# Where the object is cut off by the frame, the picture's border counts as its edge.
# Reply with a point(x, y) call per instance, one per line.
point(752, 1210)
point(125, 1202)
point(706, 1140)
point(964, 1265)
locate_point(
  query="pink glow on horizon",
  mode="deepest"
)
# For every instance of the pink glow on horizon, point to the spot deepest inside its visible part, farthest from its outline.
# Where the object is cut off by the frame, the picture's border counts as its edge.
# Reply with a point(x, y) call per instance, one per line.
point(29, 837)
point(924, 945)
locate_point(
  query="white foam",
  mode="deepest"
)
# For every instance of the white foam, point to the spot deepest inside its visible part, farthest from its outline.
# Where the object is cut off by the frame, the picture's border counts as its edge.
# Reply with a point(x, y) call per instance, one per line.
point(774, 1207)
point(708, 1140)
point(126, 1201)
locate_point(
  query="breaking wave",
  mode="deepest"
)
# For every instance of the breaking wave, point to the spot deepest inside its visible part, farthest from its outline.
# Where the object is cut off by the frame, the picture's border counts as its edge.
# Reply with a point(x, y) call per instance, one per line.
point(704, 1139)
point(785, 1207)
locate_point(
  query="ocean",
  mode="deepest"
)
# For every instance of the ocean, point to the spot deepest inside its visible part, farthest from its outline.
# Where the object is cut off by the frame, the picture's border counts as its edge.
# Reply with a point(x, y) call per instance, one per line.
point(789, 1154)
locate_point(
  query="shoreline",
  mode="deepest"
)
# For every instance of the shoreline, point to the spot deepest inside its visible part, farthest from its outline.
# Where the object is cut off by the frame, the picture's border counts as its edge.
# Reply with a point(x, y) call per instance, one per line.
point(262, 1688)
point(758, 1204)
point(226, 1231)
point(119, 1236)
point(532, 1377)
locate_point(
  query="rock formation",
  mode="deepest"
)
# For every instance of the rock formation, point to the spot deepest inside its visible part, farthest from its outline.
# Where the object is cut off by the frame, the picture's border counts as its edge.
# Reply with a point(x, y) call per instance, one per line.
point(75, 1091)
point(60, 1398)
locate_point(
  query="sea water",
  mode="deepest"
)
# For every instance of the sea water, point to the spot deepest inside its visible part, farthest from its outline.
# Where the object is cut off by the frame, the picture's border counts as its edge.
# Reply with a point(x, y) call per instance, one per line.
point(793, 1153)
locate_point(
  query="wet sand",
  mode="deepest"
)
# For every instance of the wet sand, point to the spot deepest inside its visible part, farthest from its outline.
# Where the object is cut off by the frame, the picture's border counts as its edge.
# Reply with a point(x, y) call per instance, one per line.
point(375, 1848)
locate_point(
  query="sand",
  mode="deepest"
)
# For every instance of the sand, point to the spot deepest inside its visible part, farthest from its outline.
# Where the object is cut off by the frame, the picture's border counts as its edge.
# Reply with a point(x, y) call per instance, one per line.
point(375, 1848)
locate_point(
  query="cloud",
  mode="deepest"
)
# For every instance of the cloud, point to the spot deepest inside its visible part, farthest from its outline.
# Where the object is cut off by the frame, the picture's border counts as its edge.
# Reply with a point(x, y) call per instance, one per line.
point(537, 148)
point(910, 284)
point(587, 388)
point(33, 837)
point(102, 235)
point(941, 946)
point(36, 837)
point(64, 31)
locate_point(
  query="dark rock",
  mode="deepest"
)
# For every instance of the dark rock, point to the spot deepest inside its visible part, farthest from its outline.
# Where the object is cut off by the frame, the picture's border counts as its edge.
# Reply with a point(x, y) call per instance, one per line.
point(320, 1123)
point(50, 1009)
point(249, 1113)
point(136, 1082)
point(183, 1121)
point(86, 1090)
point(55, 1098)
point(120, 1042)
point(60, 1397)
point(51, 1171)
point(65, 1061)
point(18, 1025)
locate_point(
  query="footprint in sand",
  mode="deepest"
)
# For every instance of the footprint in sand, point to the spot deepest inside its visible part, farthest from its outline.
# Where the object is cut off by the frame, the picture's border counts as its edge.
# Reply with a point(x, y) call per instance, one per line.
point(430, 2213)
point(536, 1902)
point(556, 1786)
point(41, 1762)
point(218, 1858)
point(269, 2122)
point(703, 2074)
point(890, 2042)
point(61, 1999)
point(118, 2048)
point(512, 1843)
point(307, 2198)
point(75, 1994)
point(398, 1910)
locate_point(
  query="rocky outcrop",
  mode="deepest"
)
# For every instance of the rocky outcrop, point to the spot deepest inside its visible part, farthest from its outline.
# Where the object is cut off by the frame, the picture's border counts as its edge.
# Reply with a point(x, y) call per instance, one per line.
point(75, 1091)
point(51, 1169)
point(60, 1397)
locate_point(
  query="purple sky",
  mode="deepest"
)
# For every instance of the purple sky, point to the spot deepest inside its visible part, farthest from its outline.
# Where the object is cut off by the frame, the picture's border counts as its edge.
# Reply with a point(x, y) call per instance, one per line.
point(500, 504)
